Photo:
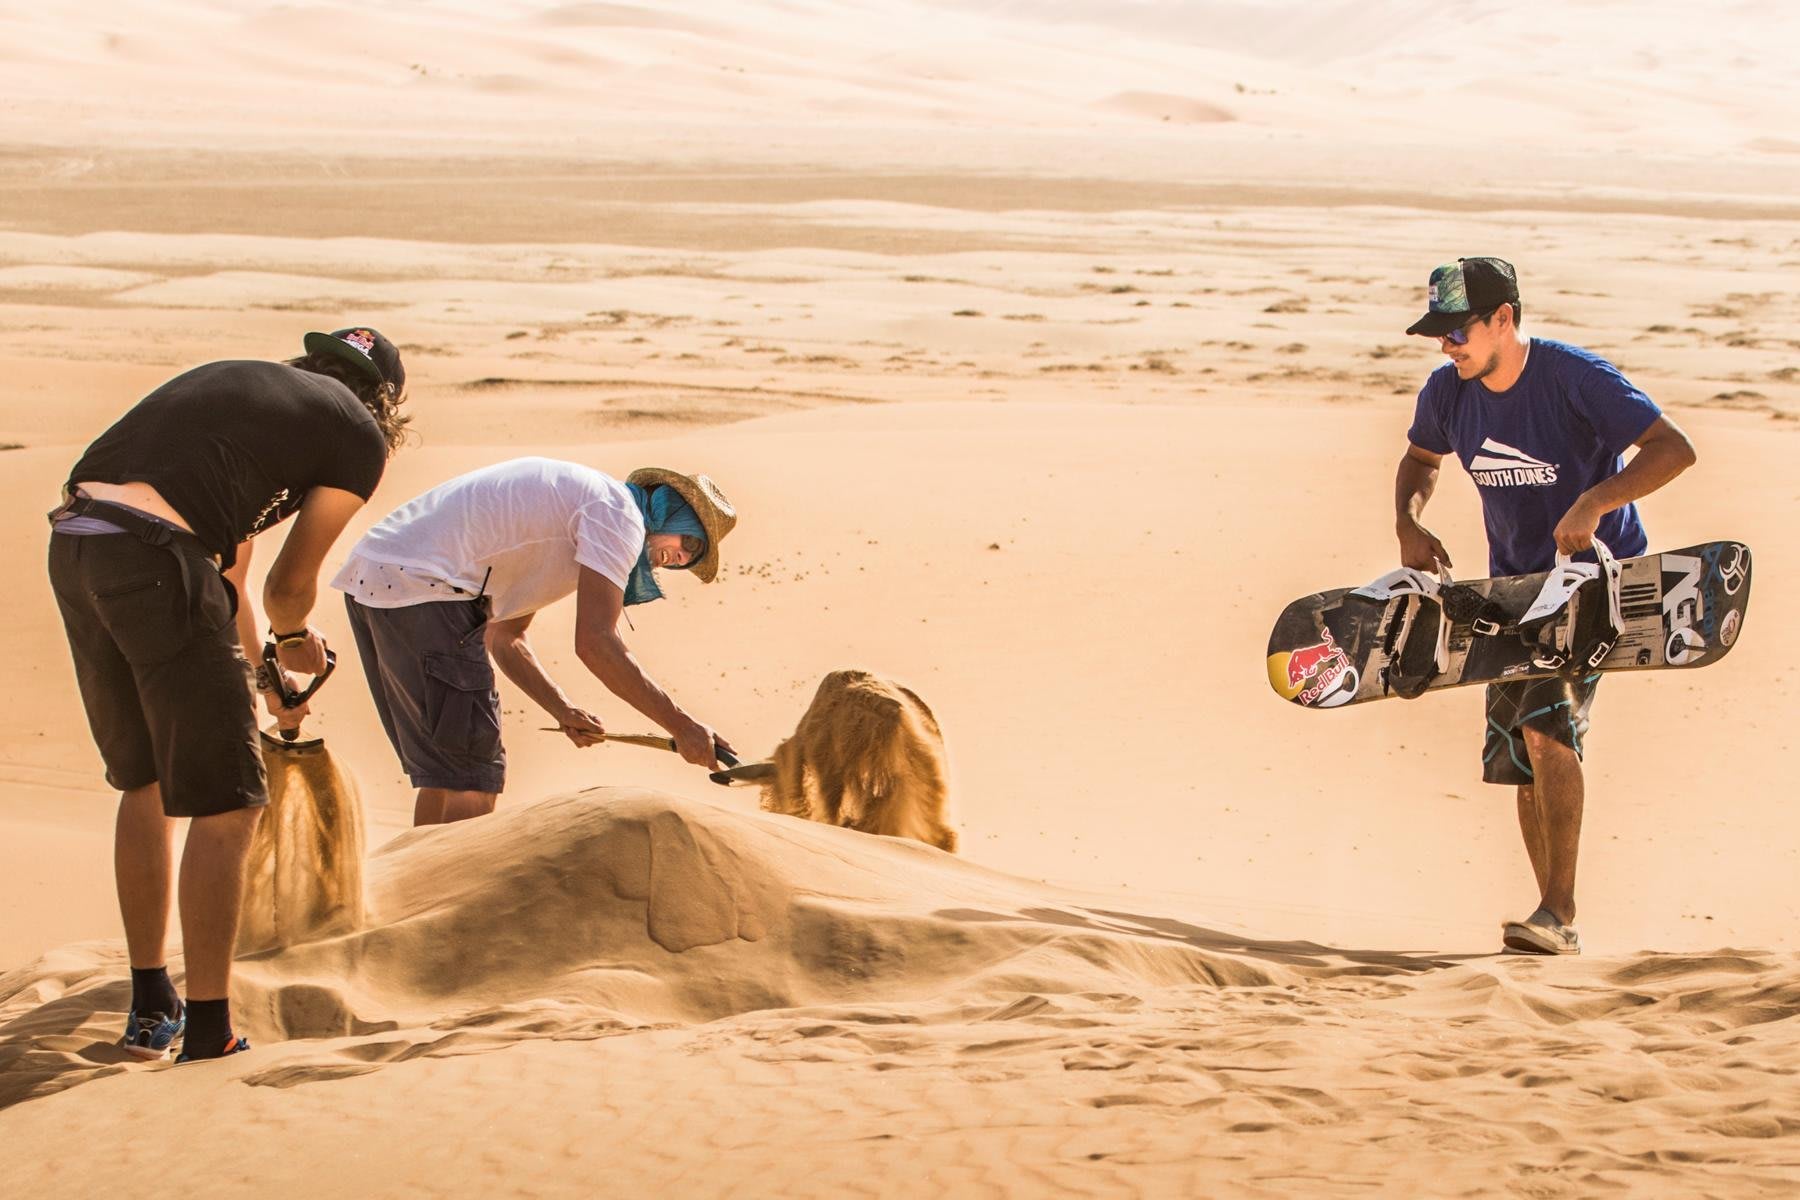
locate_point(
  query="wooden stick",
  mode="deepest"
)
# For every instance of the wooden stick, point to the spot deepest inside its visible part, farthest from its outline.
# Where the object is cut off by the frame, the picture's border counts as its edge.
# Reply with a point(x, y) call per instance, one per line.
point(655, 741)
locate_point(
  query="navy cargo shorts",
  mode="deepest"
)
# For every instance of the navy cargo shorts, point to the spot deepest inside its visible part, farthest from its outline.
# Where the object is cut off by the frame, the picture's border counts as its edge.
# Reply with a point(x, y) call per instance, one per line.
point(433, 683)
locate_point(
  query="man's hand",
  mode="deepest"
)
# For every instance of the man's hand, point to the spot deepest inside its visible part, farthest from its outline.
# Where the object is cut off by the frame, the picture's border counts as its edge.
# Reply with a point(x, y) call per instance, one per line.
point(1420, 548)
point(306, 655)
point(285, 718)
point(580, 726)
point(1575, 532)
point(700, 745)
point(1663, 453)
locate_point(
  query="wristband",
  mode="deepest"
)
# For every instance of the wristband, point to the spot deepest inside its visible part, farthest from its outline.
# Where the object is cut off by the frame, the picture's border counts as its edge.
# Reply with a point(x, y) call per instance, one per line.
point(287, 639)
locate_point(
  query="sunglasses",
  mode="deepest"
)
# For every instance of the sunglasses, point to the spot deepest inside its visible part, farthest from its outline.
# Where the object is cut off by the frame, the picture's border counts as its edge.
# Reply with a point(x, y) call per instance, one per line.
point(1460, 335)
point(693, 547)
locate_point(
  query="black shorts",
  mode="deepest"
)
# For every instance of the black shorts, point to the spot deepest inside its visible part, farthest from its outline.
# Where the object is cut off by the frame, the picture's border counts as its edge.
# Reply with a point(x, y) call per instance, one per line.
point(1556, 706)
point(433, 683)
point(168, 694)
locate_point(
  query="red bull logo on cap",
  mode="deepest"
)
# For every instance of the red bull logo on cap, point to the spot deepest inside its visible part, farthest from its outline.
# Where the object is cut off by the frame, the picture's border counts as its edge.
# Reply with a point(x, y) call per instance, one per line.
point(363, 340)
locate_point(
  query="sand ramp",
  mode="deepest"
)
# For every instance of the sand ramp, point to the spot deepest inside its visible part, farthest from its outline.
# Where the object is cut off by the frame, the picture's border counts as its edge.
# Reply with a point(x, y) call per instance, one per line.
point(617, 909)
point(688, 966)
point(660, 909)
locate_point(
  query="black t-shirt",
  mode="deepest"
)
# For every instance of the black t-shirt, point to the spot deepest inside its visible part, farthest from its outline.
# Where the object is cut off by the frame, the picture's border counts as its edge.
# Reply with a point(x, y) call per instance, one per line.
point(235, 446)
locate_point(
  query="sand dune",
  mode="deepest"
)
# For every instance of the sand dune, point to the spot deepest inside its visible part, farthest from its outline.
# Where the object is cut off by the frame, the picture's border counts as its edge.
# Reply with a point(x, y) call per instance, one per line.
point(637, 908)
point(929, 1019)
point(1656, 79)
point(620, 931)
point(1048, 350)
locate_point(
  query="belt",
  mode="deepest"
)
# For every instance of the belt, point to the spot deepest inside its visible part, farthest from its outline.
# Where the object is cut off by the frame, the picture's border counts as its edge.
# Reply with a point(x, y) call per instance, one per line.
point(156, 533)
point(185, 546)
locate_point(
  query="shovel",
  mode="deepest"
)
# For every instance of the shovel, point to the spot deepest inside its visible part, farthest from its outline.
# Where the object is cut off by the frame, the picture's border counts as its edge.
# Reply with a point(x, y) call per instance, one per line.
point(290, 699)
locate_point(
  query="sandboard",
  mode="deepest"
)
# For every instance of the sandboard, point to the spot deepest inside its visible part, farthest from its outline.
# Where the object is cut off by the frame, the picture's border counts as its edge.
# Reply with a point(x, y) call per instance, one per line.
point(1681, 609)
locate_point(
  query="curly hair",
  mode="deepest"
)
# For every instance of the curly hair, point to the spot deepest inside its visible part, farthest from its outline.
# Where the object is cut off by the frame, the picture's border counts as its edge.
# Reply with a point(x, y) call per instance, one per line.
point(382, 399)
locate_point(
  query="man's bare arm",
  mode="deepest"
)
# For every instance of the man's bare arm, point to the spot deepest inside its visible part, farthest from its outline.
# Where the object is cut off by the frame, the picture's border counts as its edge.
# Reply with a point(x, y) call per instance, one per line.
point(239, 576)
point(512, 653)
point(1664, 452)
point(598, 605)
point(1414, 482)
point(250, 637)
point(292, 586)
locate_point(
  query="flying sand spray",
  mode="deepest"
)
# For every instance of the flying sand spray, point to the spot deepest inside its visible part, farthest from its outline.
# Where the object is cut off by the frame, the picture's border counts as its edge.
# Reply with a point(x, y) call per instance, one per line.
point(304, 876)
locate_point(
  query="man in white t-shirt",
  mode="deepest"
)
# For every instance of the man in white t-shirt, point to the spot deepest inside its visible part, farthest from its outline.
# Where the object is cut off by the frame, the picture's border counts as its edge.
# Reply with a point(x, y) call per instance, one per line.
point(445, 586)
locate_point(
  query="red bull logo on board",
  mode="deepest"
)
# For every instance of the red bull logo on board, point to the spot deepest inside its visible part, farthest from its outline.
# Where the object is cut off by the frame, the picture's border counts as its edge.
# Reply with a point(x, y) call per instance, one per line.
point(1318, 676)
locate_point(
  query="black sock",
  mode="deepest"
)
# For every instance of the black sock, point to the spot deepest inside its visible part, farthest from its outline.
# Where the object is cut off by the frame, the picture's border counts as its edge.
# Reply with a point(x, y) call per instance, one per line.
point(208, 1028)
point(151, 992)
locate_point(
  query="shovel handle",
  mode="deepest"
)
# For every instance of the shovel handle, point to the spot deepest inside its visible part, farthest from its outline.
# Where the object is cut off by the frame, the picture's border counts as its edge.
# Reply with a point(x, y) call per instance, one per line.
point(655, 741)
point(295, 699)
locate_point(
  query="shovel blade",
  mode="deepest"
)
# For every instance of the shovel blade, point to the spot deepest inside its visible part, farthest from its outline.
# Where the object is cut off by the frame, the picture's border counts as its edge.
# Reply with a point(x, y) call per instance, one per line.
point(747, 773)
point(273, 739)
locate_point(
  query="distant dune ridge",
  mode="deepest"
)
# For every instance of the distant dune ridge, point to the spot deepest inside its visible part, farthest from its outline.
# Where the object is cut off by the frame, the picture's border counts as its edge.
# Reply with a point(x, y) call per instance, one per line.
point(1660, 77)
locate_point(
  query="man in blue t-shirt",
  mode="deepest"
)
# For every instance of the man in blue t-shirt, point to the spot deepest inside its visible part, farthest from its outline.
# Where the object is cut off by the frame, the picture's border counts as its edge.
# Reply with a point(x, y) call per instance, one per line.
point(1542, 428)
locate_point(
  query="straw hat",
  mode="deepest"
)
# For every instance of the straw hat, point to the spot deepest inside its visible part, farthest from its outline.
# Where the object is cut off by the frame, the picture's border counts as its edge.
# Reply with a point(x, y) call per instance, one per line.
point(716, 515)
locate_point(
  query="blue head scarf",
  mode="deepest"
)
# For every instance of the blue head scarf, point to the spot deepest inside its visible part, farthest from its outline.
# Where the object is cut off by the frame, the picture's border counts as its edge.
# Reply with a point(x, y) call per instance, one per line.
point(664, 512)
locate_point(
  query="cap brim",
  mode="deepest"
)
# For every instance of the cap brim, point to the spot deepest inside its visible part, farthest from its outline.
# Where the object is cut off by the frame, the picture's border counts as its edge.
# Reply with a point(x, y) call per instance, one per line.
point(1437, 324)
point(324, 343)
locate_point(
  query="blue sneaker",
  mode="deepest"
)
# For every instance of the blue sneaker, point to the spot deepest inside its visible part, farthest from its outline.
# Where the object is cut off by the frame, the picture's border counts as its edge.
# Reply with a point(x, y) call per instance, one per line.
point(149, 1037)
point(237, 1045)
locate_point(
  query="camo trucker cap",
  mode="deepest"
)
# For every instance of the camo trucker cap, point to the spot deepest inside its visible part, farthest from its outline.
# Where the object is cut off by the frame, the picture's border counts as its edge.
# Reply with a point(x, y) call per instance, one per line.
point(363, 348)
point(1463, 288)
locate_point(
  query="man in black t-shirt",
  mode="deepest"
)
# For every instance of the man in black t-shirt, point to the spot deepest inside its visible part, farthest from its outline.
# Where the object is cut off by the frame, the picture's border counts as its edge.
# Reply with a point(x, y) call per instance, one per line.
point(148, 559)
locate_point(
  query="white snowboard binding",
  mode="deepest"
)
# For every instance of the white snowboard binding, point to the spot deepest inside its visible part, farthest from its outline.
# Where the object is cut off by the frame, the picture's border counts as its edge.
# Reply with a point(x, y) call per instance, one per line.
point(1415, 637)
point(1575, 621)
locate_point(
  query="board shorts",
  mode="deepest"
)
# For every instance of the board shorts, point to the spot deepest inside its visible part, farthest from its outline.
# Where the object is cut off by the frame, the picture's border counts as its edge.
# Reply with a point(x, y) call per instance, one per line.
point(168, 693)
point(433, 684)
point(1556, 706)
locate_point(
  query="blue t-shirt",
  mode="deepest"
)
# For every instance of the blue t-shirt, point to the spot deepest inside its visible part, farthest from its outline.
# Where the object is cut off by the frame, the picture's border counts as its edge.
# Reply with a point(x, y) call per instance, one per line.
point(1536, 447)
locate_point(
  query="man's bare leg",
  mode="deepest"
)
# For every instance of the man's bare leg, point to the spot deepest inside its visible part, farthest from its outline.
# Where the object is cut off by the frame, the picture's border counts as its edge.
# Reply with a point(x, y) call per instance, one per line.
point(1559, 791)
point(144, 869)
point(212, 892)
point(1531, 826)
point(428, 809)
point(439, 806)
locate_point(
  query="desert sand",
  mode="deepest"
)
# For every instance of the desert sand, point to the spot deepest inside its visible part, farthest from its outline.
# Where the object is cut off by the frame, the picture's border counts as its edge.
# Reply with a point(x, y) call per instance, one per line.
point(1046, 351)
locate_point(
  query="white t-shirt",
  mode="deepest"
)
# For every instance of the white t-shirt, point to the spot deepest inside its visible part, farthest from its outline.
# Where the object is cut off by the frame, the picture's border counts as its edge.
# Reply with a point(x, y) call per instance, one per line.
point(517, 532)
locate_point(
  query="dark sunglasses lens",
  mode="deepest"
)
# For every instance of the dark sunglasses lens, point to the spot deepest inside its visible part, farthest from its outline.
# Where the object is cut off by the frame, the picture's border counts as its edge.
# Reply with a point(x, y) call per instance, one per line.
point(1457, 337)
